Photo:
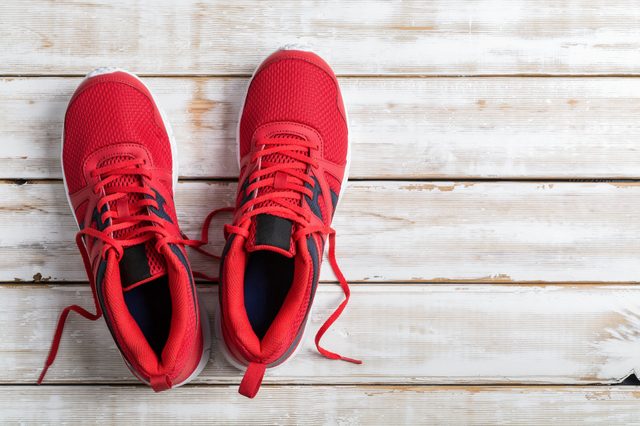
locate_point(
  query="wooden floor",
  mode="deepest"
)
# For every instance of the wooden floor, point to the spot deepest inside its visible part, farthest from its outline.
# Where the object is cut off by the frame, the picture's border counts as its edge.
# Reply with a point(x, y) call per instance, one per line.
point(490, 229)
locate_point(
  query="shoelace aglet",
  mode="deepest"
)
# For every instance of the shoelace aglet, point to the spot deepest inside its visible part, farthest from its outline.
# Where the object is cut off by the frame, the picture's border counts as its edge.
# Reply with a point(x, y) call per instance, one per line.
point(343, 282)
point(57, 336)
point(351, 360)
point(346, 359)
point(344, 285)
point(44, 372)
point(333, 355)
point(112, 244)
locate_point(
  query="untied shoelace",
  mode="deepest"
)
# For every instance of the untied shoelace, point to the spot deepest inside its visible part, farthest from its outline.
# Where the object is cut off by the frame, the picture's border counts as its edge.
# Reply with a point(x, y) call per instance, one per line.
point(260, 178)
point(277, 175)
point(153, 227)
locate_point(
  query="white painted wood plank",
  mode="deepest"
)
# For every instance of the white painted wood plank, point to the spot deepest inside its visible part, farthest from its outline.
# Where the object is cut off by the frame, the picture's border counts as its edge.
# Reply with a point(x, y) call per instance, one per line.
point(388, 231)
point(348, 405)
point(405, 334)
point(369, 37)
point(400, 128)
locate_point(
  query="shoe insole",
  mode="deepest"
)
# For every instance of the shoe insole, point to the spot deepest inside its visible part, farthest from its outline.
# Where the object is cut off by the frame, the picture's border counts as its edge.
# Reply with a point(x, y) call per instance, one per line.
point(267, 279)
point(150, 306)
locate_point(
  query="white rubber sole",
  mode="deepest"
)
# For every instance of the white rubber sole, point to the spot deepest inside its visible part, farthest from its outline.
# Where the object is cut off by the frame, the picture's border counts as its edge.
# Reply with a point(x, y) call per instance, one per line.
point(218, 324)
point(204, 317)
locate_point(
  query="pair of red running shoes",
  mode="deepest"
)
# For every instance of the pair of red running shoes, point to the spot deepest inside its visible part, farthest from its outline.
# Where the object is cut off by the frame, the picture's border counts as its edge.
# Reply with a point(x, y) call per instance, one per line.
point(119, 168)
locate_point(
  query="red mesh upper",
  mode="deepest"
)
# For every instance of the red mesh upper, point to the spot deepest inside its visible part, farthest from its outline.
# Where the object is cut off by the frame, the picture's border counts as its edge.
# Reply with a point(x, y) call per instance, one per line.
point(124, 180)
point(289, 319)
point(107, 110)
point(296, 90)
point(154, 258)
point(106, 113)
point(274, 158)
point(156, 261)
point(334, 184)
point(296, 87)
point(181, 354)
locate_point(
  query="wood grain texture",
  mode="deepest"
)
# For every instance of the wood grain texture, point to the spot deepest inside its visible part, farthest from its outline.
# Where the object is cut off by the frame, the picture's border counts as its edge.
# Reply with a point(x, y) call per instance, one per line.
point(366, 37)
point(456, 352)
point(400, 128)
point(405, 333)
point(344, 405)
point(387, 231)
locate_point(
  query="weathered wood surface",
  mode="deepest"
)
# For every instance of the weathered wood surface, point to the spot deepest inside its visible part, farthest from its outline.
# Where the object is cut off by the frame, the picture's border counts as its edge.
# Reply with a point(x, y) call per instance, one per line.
point(405, 333)
point(419, 249)
point(387, 231)
point(330, 405)
point(400, 128)
point(369, 37)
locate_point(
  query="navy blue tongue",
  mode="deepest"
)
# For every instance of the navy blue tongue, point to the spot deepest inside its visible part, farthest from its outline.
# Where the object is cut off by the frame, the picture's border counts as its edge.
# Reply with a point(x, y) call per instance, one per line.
point(273, 233)
point(140, 264)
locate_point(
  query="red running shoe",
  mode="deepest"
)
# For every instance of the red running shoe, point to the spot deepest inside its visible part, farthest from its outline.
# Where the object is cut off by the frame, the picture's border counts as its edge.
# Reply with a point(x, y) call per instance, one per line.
point(293, 151)
point(119, 173)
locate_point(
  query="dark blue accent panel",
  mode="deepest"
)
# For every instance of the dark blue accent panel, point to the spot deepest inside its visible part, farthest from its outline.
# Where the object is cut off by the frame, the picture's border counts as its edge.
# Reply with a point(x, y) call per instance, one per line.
point(313, 252)
point(334, 199)
point(160, 211)
point(314, 203)
point(102, 267)
point(245, 197)
point(97, 218)
point(223, 256)
point(182, 258)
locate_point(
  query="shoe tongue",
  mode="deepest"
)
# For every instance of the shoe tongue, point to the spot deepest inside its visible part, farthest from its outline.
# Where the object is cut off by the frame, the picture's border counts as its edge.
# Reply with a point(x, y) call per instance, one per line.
point(140, 264)
point(271, 233)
